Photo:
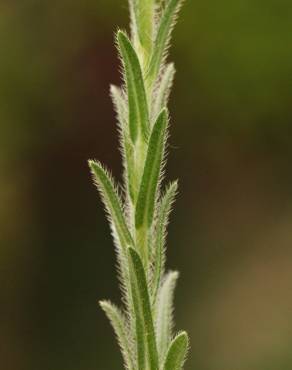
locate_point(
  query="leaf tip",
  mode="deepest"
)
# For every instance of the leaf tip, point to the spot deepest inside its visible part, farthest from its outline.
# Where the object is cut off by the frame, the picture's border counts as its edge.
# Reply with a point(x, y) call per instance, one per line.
point(105, 305)
point(183, 336)
point(121, 36)
point(90, 162)
point(164, 112)
point(184, 340)
point(94, 166)
point(175, 185)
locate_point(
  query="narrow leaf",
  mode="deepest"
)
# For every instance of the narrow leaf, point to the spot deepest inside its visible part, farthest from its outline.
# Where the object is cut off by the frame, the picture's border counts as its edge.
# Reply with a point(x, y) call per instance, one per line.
point(144, 14)
point(120, 105)
point(112, 203)
point(145, 307)
point(159, 249)
point(162, 39)
point(121, 234)
point(177, 352)
point(164, 318)
point(151, 174)
point(162, 91)
point(119, 325)
point(137, 100)
point(127, 148)
point(133, 22)
point(140, 340)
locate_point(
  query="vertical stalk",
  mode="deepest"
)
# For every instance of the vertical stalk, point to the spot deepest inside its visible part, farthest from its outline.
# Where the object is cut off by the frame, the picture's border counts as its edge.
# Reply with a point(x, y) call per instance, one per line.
point(139, 220)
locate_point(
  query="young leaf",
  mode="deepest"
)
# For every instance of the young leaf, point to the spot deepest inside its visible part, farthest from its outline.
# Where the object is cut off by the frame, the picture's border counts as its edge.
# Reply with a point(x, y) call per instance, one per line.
point(162, 39)
point(120, 105)
point(144, 19)
point(119, 325)
point(177, 352)
point(152, 170)
point(127, 148)
point(137, 100)
point(162, 91)
point(133, 22)
point(162, 222)
point(112, 203)
point(121, 233)
point(164, 318)
point(149, 333)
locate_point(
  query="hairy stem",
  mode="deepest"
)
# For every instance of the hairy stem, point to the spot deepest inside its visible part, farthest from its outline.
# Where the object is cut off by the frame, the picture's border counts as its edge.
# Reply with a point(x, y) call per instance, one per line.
point(144, 326)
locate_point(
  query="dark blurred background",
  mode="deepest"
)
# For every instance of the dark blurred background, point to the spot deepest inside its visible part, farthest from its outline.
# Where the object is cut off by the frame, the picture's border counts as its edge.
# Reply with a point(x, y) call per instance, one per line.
point(231, 133)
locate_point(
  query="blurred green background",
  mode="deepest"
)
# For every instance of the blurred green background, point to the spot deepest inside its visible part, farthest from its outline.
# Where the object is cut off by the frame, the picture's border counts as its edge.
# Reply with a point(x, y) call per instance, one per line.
point(231, 133)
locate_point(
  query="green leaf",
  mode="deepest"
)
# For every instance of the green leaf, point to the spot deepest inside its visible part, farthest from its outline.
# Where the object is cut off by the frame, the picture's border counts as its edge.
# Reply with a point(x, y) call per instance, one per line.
point(159, 245)
point(121, 234)
point(144, 300)
point(164, 315)
point(177, 352)
point(162, 91)
point(144, 21)
point(133, 22)
point(127, 148)
point(138, 318)
point(151, 175)
point(118, 322)
point(112, 203)
point(137, 100)
point(162, 39)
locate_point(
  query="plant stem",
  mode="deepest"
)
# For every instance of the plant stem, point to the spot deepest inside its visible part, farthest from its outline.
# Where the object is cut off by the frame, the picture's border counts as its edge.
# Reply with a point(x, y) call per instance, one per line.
point(139, 220)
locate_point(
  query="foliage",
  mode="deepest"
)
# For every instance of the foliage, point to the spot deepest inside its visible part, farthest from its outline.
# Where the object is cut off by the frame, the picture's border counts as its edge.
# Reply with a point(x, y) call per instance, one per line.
point(139, 218)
